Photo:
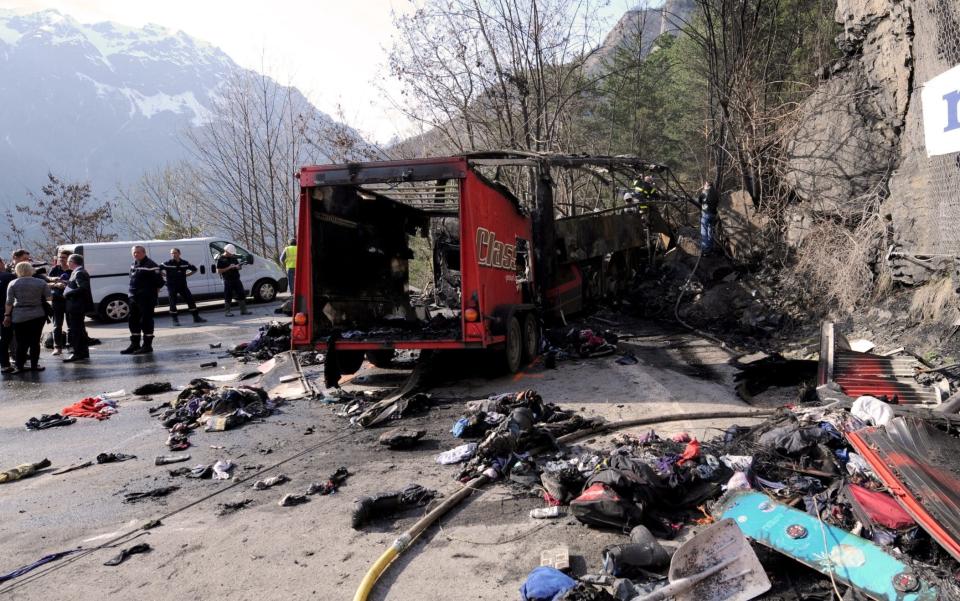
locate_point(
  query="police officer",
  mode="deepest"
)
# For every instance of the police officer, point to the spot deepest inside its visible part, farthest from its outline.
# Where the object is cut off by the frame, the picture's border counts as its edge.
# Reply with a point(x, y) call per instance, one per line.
point(228, 266)
point(176, 271)
point(289, 259)
point(145, 282)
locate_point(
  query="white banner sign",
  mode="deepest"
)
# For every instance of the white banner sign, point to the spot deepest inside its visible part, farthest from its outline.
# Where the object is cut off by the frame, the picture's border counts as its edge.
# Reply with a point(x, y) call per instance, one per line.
point(941, 113)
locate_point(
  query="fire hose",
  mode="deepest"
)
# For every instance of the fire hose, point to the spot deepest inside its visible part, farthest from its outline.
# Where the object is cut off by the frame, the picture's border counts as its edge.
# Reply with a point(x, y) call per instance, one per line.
point(404, 541)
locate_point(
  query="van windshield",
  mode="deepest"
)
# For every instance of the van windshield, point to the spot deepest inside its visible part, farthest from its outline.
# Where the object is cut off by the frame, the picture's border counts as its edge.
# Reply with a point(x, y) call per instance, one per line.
point(216, 249)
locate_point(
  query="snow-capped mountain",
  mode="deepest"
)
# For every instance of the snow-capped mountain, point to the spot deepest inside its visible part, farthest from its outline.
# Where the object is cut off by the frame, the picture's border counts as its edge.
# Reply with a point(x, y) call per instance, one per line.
point(100, 101)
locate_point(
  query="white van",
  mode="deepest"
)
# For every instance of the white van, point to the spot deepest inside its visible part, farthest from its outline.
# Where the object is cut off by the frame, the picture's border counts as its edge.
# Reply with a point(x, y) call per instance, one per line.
point(108, 264)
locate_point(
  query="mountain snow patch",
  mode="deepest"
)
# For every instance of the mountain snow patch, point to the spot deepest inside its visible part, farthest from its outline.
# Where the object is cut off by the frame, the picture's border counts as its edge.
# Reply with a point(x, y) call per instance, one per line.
point(183, 103)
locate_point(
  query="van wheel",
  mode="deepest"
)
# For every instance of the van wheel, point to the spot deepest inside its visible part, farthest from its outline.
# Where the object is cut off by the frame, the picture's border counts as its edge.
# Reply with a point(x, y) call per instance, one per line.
point(381, 358)
point(115, 308)
point(531, 337)
point(513, 353)
point(264, 291)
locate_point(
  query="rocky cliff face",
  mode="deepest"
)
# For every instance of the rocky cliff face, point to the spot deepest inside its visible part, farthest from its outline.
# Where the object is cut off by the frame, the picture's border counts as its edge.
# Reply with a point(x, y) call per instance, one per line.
point(862, 134)
point(645, 25)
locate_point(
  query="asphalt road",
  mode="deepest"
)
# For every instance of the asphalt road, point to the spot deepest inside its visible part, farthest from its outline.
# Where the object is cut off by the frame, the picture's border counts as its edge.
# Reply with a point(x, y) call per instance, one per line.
point(265, 551)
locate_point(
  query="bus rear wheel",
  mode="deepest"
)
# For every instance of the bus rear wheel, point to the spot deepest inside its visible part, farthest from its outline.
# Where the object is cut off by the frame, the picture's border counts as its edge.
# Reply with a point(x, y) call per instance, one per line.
point(382, 358)
point(531, 337)
point(513, 346)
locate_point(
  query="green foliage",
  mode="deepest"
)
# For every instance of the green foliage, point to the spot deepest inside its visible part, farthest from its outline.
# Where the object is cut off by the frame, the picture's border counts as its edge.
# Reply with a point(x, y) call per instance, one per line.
point(652, 105)
point(421, 265)
point(721, 89)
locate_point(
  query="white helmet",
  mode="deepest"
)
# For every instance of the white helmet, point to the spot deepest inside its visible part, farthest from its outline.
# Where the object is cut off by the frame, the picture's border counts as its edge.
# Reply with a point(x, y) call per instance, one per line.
point(230, 249)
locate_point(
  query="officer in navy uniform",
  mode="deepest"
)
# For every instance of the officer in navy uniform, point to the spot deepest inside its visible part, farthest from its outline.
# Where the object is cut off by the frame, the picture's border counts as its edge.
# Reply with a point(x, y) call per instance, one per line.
point(145, 283)
point(228, 266)
point(176, 271)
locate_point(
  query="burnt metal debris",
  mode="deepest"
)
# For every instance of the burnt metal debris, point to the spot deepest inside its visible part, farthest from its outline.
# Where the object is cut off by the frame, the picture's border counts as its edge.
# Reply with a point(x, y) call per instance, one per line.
point(814, 483)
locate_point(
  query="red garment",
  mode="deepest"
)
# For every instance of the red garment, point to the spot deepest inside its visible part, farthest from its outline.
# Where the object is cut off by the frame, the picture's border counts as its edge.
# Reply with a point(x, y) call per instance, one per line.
point(881, 507)
point(88, 407)
point(690, 453)
point(551, 500)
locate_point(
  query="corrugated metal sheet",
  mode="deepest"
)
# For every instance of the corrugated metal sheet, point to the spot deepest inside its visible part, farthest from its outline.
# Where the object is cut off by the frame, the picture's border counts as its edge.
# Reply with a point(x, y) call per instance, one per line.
point(918, 463)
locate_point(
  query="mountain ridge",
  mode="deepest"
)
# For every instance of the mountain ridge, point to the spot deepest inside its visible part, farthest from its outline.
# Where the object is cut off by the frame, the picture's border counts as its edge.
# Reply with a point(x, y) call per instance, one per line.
point(100, 102)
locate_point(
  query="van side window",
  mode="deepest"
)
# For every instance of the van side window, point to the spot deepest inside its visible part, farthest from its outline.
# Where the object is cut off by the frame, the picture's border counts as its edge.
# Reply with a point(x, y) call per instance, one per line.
point(216, 249)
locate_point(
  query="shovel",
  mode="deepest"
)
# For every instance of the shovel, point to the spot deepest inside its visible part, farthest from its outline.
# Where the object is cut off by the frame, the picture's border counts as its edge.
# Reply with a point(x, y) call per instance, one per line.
point(717, 564)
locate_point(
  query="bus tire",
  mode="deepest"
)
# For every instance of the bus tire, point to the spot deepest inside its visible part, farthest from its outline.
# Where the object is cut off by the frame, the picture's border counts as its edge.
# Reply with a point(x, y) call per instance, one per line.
point(531, 337)
point(381, 358)
point(349, 361)
point(513, 345)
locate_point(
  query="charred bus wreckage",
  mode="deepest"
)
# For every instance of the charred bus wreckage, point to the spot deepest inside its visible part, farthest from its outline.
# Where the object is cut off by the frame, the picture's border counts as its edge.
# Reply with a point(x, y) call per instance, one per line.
point(509, 240)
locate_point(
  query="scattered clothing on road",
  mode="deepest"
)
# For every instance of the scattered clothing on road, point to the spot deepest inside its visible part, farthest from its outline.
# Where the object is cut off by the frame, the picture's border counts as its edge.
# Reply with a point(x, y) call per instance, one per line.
point(153, 388)
point(126, 553)
point(49, 421)
point(98, 407)
point(270, 482)
point(336, 479)
point(290, 499)
point(22, 471)
point(231, 507)
point(156, 493)
point(165, 459)
point(386, 504)
point(114, 457)
point(40, 562)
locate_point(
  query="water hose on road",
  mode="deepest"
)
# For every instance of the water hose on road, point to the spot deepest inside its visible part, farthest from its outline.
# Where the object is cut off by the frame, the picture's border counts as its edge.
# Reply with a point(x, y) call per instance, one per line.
point(649, 421)
point(404, 540)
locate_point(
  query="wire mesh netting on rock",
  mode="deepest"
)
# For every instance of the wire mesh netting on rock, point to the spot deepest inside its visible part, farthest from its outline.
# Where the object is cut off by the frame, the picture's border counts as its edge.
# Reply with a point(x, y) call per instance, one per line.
point(936, 48)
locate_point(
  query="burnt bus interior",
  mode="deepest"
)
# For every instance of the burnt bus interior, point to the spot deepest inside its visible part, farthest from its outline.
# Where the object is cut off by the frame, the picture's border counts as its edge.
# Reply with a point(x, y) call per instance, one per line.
point(387, 259)
point(386, 249)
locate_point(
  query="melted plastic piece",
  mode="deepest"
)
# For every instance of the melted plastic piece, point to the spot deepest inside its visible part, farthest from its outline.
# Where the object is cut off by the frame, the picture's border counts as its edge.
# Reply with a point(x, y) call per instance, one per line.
point(852, 560)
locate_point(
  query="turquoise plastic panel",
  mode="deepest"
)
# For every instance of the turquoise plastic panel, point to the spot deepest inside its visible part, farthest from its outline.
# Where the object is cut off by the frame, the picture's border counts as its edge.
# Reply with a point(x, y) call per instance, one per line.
point(854, 561)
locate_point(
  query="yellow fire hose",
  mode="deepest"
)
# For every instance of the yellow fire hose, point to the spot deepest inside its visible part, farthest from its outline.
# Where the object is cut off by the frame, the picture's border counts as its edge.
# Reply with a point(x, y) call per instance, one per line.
point(404, 540)
point(401, 544)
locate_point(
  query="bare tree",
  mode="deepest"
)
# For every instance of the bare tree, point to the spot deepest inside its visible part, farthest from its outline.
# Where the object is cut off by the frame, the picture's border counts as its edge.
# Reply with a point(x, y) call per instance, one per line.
point(62, 213)
point(758, 58)
point(483, 74)
point(247, 158)
point(165, 204)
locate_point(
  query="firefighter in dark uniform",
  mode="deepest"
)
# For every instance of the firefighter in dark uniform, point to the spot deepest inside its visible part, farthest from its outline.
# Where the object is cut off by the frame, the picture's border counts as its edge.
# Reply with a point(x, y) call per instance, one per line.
point(228, 266)
point(145, 283)
point(645, 189)
point(176, 271)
